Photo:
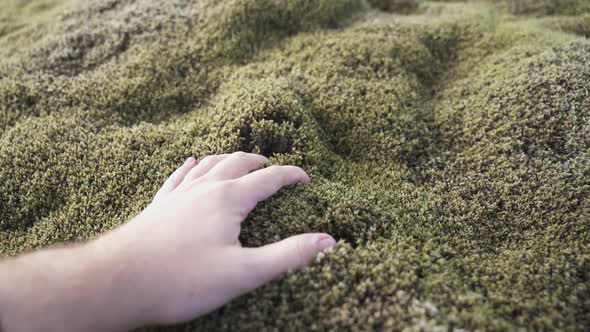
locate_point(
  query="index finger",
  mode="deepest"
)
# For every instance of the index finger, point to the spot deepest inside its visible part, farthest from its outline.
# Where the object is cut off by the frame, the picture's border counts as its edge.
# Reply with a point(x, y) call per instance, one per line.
point(262, 184)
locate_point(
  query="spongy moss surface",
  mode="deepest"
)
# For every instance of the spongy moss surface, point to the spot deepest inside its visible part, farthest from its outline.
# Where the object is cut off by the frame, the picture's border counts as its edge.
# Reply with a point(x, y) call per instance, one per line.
point(449, 143)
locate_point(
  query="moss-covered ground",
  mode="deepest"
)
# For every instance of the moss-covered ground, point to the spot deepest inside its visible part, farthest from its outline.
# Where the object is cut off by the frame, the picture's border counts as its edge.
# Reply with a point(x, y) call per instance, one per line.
point(449, 145)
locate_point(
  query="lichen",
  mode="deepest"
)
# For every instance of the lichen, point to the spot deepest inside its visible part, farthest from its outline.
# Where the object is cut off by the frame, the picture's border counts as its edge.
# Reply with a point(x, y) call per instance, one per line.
point(448, 142)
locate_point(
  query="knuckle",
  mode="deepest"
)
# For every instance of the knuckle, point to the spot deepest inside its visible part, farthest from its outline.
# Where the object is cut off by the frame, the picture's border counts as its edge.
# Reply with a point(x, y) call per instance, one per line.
point(225, 189)
point(240, 154)
point(193, 183)
point(207, 159)
point(173, 179)
point(294, 170)
point(171, 182)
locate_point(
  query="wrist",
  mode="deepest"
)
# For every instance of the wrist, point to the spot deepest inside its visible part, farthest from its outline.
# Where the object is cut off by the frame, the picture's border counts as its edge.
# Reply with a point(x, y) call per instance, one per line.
point(125, 292)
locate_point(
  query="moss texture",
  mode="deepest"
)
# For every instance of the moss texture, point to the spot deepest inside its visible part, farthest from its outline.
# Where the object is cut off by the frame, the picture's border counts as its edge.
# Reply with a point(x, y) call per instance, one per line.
point(449, 143)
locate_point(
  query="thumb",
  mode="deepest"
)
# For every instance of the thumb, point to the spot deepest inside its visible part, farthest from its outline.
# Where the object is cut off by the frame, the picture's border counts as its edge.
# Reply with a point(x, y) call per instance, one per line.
point(269, 262)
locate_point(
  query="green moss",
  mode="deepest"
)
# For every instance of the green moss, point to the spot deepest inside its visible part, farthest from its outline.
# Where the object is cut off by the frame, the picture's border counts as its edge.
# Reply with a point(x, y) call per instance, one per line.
point(449, 146)
point(547, 7)
point(17, 14)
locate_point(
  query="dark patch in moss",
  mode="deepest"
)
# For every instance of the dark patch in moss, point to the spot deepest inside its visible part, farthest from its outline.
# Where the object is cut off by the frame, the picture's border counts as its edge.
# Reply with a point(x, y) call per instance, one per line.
point(395, 6)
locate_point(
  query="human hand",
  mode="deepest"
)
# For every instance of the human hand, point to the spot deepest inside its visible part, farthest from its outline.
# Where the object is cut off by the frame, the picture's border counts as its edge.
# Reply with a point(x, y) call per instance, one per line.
point(184, 248)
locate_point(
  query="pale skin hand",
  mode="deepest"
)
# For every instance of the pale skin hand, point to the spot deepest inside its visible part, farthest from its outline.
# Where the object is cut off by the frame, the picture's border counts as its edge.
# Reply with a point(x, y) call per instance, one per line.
point(178, 259)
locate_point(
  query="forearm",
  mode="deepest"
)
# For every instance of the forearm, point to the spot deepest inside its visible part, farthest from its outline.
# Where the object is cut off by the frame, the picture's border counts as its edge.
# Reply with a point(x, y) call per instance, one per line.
point(79, 288)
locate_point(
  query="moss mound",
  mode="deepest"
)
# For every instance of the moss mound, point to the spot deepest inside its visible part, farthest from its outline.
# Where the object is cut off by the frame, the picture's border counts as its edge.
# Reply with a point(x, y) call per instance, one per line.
point(449, 144)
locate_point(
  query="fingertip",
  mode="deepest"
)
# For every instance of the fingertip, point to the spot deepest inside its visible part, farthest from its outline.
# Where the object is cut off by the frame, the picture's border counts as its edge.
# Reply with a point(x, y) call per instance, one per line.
point(325, 242)
point(293, 253)
point(305, 178)
point(190, 161)
point(261, 158)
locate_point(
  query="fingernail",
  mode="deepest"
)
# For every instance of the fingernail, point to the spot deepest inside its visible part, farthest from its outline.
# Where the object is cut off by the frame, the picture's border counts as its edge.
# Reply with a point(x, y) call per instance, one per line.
point(325, 242)
point(189, 160)
point(306, 179)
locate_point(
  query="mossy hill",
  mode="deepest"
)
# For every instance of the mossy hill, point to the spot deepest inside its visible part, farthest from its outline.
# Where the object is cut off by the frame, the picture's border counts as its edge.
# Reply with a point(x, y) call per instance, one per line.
point(449, 145)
